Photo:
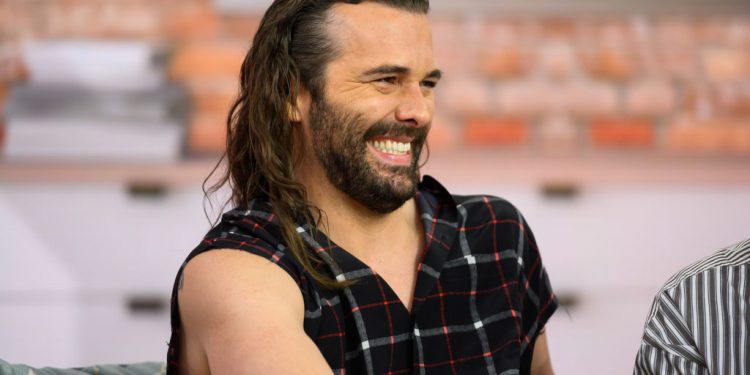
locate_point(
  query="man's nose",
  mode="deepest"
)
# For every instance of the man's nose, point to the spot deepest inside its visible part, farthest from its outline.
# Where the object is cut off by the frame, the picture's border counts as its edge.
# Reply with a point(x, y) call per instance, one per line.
point(415, 106)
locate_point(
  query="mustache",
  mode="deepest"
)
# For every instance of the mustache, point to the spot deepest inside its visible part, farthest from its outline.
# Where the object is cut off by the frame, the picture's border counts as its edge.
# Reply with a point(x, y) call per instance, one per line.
point(395, 129)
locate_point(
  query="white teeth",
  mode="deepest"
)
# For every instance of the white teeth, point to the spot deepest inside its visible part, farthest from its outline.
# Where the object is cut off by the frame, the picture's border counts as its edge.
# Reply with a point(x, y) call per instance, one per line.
point(392, 147)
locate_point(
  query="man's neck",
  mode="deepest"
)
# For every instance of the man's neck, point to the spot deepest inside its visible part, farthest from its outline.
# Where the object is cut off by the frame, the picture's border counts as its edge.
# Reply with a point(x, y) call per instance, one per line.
point(361, 231)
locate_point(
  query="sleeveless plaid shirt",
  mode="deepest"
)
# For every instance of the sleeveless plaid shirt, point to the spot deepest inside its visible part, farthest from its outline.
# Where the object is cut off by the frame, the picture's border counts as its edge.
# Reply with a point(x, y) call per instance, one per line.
point(481, 298)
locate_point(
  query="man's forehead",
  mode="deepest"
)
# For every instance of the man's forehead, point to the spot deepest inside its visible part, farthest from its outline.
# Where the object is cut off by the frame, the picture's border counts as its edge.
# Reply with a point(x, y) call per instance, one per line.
point(376, 34)
point(373, 16)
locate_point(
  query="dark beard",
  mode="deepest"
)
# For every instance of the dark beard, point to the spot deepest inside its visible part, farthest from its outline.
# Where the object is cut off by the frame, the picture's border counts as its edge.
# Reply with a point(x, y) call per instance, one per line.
point(340, 143)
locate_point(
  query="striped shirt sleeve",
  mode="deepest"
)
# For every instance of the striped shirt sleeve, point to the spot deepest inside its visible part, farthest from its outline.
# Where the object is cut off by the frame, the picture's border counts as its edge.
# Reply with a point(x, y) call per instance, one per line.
point(699, 321)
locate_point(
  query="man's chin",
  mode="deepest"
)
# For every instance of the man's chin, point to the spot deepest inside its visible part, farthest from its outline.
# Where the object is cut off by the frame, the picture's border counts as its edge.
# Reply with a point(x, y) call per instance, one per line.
point(380, 188)
point(387, 206)
point(404, 182)
point(393, 194)
point(398, 174)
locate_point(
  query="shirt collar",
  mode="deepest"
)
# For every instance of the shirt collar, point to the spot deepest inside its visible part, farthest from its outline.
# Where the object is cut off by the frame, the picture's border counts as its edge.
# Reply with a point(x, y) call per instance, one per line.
point(439, 217)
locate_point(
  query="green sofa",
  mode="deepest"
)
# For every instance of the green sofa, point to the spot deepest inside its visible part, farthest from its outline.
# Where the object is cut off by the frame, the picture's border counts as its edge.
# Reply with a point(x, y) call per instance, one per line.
point(145, 368)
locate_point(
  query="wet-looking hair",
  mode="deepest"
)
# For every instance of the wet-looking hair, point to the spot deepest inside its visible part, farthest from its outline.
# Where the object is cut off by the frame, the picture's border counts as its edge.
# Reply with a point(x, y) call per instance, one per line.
point(290, 51)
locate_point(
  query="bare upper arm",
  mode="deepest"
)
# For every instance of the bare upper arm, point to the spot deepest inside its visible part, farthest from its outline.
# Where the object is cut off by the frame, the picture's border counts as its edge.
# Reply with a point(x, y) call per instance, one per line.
point(540, 360)
point(242, 314)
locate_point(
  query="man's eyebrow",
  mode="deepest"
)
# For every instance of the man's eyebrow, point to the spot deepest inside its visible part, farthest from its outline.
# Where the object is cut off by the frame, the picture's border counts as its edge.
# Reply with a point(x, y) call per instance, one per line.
point(387, 69)
point(397, 69)
point(435, 74)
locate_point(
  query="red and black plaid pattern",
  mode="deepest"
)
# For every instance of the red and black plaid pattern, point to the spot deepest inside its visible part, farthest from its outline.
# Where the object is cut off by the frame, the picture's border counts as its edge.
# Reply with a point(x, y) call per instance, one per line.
point(482, 295)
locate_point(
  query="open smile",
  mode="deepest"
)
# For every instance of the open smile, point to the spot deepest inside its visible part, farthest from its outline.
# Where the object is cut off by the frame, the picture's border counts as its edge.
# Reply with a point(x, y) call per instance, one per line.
point(392, 150)
point(392, 147)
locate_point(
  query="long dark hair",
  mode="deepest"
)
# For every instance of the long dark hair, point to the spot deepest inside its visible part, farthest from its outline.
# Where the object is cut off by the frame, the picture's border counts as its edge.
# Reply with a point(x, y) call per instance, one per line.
point(264, 144)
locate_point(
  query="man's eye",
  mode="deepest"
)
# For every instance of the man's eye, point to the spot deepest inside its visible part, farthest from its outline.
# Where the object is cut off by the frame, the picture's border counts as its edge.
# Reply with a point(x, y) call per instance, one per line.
point(388, 80)
point(429, 84)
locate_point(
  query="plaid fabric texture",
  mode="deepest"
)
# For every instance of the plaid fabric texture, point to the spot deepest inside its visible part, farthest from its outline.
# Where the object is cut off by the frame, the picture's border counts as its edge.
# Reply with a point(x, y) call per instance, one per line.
point(482, 295)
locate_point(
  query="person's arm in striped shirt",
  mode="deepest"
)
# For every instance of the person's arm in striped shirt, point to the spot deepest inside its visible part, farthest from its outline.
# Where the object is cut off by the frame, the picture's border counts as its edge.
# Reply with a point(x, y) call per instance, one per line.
point(700, 320)
point(667, 346)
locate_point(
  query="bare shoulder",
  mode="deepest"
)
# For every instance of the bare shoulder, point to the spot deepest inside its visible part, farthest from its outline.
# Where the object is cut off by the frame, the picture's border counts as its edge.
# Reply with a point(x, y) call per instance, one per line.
point(226, 277)
point(233, 303)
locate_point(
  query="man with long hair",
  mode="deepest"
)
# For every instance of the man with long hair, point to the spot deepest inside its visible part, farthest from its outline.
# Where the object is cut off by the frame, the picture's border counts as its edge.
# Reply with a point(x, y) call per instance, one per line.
point(337, 255)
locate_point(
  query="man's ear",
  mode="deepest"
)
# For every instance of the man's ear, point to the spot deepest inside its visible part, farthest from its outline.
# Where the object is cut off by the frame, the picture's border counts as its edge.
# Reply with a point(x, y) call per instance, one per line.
point(298, 110)
point(292, 111)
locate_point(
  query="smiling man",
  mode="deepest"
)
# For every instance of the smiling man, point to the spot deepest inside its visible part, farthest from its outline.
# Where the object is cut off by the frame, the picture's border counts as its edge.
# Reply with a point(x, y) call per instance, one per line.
point(338, 257)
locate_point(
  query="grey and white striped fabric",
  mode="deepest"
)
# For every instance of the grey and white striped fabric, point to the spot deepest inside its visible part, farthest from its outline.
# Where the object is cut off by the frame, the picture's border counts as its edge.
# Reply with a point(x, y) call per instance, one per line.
point(700, 320)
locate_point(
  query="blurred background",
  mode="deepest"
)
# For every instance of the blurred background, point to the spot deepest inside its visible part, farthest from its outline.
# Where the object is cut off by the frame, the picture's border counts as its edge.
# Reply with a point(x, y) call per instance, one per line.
point(620, 129)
